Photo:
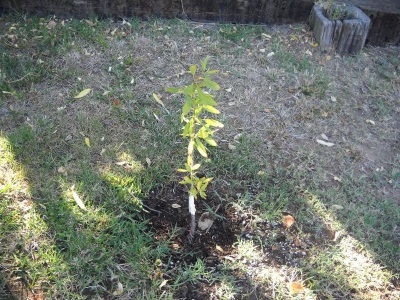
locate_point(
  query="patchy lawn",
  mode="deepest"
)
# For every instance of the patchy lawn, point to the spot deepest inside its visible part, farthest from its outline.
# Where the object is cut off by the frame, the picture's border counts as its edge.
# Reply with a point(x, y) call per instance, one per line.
point(306, 191)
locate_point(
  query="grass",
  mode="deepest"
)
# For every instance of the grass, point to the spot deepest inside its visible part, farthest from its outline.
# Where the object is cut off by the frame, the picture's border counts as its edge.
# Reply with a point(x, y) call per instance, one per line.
point(344, 198)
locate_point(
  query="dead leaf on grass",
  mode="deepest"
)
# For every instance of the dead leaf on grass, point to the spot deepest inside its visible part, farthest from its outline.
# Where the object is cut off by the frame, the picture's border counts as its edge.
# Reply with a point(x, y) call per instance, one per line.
point(324, 137)
point(219, 248)
point(148, 161)
point(90, 23)
point(83, 93)
point(265, 36)
point(296, 287)
point(175, 205)
point(119, 290)
point(51, 24)
point(231, 147)
point(338, 179)
point(157, 98)
point(336, 207)
point(325, 143)
point(270, 54)
point(116, 102)
point(275, 247)
point(77, 199)
point(164, 282)
point(288, 221)
point(370, 122)
point(87, 141)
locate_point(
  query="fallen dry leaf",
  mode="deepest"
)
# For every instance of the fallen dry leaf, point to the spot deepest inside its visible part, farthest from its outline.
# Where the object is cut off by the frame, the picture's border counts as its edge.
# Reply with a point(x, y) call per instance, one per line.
point(288, 221)
point(83, 93)
point(164, 282)
point(297, 242)
point(87, 141)
point(116, 102)
point(370, 122)
point(78, 199)
point(175, 205)
point(51, 24)
point(337, 207)
point(90, 23)
point(219, 248)
point(337, 179)
point(325, 143)
point(296, 287)
point(324, 137)
point(119, 290)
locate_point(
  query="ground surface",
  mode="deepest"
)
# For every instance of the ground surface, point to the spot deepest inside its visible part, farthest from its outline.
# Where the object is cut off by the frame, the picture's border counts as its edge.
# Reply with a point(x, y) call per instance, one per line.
point(310, 138)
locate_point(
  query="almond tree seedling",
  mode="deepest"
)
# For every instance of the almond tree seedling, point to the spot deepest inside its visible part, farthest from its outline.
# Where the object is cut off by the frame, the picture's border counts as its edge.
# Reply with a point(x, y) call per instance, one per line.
point(199, 131)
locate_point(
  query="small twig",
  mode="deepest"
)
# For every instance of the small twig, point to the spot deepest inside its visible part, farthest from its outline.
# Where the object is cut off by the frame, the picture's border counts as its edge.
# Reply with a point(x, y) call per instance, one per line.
point(145, 206)
point(152, 209)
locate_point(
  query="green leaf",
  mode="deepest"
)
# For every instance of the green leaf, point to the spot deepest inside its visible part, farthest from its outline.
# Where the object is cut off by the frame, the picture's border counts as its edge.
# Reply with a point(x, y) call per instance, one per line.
point(203, 133)
point(83, 93)
point(201, 148)
point(214, 123)
point(186, 108)
point(173, 90)
point(211, 142)
point(206, 99)
point(186, 180)
point(193, 192)
point(211, 84)
point(204, 63)
point(211, 72)
point(203, 194)
point(181, 170)
point(193, 70)
point(155, 96)
point(186, 130)
point(211, 109)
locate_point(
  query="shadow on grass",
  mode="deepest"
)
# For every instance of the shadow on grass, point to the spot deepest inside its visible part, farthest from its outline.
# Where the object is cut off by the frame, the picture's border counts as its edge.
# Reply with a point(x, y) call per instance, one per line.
point(62, 250)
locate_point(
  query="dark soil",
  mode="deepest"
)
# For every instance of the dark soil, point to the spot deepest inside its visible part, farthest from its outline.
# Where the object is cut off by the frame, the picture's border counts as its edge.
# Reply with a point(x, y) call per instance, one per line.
point(219, 243)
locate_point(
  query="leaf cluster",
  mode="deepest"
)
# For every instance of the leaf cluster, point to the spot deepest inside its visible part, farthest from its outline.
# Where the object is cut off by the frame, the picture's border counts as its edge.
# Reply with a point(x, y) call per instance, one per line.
point(198, 129)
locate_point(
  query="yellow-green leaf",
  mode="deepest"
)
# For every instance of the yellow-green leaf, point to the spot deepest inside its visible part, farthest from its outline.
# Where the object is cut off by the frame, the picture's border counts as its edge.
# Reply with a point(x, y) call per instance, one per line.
point(193, 70)
point(204, 63)
point(211, 84)
point(181, 170)
point(190, 147)
point(211, 142)
point(83, 93)
point(211, 109)
point(201, 148)
point(214, 123)
point(155, 96)
point(195, 167)
point(87, 141)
